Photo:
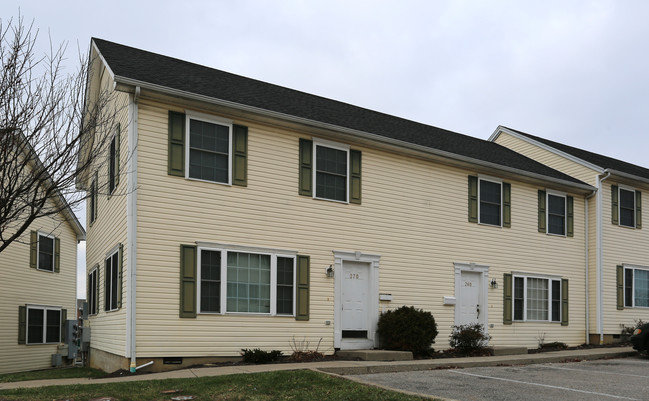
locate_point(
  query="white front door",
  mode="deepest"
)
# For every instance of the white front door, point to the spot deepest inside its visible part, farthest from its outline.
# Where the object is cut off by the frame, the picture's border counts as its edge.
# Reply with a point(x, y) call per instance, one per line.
point(470, 308)
point(355, 299)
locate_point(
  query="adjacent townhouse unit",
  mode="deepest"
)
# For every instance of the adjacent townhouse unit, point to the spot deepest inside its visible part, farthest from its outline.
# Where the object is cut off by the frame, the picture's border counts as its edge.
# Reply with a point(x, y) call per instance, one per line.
point(38, 287)
point(618, 256)
point(244, 215)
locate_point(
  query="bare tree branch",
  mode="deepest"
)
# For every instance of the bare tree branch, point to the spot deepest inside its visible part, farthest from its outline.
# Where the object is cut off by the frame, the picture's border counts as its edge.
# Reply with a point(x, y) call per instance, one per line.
point(43, 121)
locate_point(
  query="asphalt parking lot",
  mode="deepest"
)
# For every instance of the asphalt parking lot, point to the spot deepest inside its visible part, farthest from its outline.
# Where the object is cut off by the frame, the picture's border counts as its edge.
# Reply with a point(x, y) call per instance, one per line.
point(612, 379)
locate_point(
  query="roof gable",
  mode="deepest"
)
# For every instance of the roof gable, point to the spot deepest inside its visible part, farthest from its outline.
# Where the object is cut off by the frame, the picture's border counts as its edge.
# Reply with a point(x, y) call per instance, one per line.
point(601, 161)
point(141, 67)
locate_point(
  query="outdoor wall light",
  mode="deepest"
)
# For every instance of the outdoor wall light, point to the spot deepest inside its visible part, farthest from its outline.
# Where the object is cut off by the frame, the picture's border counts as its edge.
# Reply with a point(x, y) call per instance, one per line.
point(494, 283)
point(330, 271)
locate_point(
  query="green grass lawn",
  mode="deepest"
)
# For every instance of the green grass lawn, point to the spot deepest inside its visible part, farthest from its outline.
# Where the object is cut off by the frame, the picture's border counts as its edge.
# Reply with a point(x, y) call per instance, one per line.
point(284, 385)
point(62, 373)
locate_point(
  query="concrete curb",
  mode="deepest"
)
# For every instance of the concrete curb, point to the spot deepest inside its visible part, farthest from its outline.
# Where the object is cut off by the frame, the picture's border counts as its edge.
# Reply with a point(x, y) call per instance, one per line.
point(349, 367)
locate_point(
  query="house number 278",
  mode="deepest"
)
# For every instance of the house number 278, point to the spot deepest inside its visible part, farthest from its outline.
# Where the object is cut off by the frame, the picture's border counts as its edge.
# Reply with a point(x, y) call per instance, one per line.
point(354, 276)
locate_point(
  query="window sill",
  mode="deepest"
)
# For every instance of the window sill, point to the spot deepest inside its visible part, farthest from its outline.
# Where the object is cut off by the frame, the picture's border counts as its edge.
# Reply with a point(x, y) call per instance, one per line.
point(208, 181)
point(331, 200)
point(490, 225)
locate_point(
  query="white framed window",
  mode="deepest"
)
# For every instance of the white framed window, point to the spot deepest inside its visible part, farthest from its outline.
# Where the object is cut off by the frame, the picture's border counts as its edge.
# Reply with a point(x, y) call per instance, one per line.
point(556, 213)
point(45, 252)
point(209, 151)
point(490, 201)
point(43, 325)
point(111, 281)
point(92, 291)
point(636, 286)
point(245, 281)
point(331, 171)
point(627, 206)
point(537, 298)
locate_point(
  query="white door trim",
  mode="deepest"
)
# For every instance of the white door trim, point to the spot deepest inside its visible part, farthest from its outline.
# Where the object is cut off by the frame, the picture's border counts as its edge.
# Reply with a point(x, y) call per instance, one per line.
point(373, 297)
point(478, 268)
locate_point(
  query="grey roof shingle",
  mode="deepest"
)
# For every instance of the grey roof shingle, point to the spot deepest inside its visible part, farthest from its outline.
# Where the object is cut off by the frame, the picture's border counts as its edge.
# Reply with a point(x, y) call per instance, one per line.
point(156, 69)
point(602, 161)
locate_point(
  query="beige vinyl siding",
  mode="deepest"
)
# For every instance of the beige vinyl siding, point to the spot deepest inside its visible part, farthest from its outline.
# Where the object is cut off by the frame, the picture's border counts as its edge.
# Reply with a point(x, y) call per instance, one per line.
point(104, 235)
point(546, 157)
point(22, 285)
point(621, 246)
point(414, 214)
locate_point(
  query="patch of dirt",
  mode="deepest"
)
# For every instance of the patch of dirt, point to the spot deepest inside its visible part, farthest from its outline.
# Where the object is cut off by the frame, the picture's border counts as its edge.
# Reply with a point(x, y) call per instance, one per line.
point(582, 346)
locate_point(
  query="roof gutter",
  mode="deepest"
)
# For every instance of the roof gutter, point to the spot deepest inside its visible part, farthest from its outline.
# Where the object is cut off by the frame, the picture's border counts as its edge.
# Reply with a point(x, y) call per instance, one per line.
point(622, 174)
point(128, 83)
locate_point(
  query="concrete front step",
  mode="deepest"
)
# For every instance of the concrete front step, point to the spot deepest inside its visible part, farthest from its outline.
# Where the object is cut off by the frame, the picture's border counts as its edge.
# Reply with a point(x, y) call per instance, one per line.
point(498, 351)
point(374, 355)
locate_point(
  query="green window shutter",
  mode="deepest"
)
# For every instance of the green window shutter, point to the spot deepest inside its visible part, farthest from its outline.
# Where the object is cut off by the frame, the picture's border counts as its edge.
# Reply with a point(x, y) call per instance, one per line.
point(64, 317)
point(22, 324)
point(176, 151)
point(302, 295)
point(614, 207)
point(120, 276)
point(57, 255)
point(96, 197)
point(507, 204)
point(306, 165)
point(188, 281)
point(570, 216)
point(620, 287)
point(507, 298)
point(542, 228)
point(355, 178)
point(564, 301)
point(638, 209)
point(240, 156)
point(473, 199)
point(117, 146)
point(33, 249)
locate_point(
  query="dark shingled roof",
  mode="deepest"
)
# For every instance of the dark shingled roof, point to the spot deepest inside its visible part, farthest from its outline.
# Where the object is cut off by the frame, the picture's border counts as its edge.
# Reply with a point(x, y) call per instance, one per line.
point(593, 158)
point(152, 68)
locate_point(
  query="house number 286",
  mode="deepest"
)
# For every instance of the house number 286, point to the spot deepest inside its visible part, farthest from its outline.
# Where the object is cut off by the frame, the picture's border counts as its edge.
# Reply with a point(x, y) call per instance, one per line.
point(354, 276)
point(468, 284)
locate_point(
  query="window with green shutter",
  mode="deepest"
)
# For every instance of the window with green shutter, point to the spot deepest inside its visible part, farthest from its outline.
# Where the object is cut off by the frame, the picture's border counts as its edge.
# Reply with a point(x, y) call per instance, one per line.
point(632, 286)
point(207, 148)
point(40, 324)
point(45, 252)
point(535, 299)
point(113, 161)
point(489, 202)
point(626, 207)
point(113, 280)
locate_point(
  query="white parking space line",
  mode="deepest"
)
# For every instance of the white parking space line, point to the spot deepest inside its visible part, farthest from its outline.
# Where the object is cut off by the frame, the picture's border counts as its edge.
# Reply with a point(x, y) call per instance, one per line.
point(544, 385)
point(596, 371)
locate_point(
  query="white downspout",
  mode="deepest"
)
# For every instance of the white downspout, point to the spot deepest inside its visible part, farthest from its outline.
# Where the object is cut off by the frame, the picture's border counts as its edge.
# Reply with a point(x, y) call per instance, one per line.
point(587, 240)
point(600, 306)
point(131, 228)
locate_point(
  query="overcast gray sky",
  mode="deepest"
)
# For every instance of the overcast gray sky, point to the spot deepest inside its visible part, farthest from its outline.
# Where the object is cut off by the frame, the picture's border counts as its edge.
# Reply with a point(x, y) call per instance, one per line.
point(571, 71)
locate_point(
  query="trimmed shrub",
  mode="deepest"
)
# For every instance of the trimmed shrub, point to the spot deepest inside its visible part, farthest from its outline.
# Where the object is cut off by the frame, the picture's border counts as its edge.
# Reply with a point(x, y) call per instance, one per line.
point(258, 356)
point(469, 338)
point(407, 329)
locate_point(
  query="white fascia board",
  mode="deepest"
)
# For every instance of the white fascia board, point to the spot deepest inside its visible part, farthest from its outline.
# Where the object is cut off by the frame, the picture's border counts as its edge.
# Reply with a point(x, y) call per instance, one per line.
point(132, 83)
point(549, 148)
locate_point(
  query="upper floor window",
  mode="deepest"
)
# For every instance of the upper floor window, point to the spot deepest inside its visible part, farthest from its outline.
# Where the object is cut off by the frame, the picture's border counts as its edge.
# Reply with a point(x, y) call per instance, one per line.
point(331, 172)
point(113, 162)
point(556, 214)
point(93, 200)
point(45, 252)
point(626, 206)
point(490, 202)
point(209, 150)
point(92, 291)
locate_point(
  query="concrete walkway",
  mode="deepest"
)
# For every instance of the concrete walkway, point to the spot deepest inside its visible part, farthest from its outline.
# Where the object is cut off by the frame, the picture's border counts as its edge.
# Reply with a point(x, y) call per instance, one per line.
point(350, 367)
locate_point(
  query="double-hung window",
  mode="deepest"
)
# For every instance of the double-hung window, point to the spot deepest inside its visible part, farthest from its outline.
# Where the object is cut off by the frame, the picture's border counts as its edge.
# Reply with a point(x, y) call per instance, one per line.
point(92, 291)
point(556, 214)
point(45, 252)
point(43, 325)
point(111, 284)
point(636, 286)
point(490, 202)
point(331, 171)
point(113, 162)
point(627, 207)
point(537, 299)
point(209, 155)
point(236, 281)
